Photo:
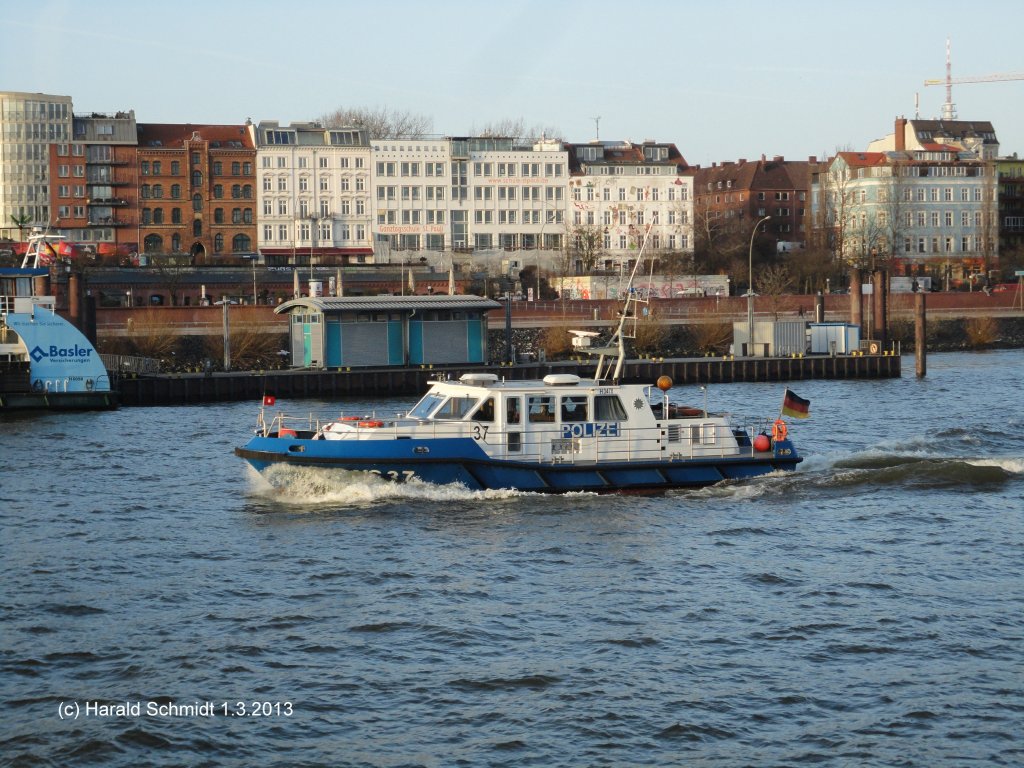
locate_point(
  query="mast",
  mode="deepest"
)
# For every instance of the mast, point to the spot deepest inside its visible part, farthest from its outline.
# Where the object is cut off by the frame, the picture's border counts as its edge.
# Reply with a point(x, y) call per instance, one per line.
point(617, 343)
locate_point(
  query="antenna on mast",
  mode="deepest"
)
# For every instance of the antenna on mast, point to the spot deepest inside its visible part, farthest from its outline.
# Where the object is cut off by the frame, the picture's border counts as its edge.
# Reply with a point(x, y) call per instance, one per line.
point(949, 108)
point(597, 127)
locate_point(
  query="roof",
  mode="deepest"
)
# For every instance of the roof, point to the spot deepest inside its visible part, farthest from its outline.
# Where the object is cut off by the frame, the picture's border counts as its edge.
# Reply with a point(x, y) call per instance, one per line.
point(330, 305)
point(764, 174)
point(864, 159)
point(954, 129)
point(174, 135)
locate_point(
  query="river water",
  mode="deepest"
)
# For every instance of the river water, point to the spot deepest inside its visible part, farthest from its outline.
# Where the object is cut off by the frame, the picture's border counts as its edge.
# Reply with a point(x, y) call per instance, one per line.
point(163, 606)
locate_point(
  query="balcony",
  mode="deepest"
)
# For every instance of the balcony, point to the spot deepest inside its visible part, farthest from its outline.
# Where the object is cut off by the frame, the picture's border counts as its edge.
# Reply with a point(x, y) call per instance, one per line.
point(107, 201)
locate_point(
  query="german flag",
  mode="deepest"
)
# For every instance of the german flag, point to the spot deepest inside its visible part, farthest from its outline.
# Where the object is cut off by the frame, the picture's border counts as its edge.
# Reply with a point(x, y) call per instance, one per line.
point(795, 406)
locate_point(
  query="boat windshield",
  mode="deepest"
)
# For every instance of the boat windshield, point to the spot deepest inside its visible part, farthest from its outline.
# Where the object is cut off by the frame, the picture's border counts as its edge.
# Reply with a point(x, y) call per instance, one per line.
point(455, 408)
point(423, 408)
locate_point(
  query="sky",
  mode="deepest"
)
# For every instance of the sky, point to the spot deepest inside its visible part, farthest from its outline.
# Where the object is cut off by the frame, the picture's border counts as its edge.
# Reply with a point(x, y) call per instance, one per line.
point(721, 79)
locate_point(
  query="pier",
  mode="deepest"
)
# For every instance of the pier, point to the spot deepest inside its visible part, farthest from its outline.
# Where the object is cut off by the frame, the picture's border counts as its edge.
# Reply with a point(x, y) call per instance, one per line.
point(195, 388)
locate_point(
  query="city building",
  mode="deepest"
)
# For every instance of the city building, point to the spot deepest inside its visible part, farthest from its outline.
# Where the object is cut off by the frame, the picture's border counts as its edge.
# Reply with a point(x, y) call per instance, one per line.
point(314, 194)
point(197, 191)
point(925, 212)
point(617, 189)
point(1010, 172)
point(94, 194)
point(975, 136)
point(737, 194)
point(29, 124)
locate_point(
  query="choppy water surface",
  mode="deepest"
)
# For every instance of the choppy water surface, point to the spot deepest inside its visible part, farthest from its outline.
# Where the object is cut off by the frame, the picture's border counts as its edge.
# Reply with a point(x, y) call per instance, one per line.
point(868, 610)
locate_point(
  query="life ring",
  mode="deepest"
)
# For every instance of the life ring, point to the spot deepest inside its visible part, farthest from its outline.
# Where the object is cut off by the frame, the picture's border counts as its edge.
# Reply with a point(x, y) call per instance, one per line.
point(350, 418)
point(779, 430)
point(370, 424)
point(286, 433)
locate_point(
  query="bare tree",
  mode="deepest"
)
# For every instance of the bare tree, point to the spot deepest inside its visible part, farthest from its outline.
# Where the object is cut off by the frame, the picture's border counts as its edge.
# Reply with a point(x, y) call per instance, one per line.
point(380, 122)
point(516, 128)
point(774, 283)
point(584, 244)
point(170, 270)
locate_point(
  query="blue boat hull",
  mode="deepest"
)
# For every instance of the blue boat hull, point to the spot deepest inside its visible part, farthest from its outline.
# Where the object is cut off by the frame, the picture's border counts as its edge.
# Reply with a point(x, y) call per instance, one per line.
point(443, 462)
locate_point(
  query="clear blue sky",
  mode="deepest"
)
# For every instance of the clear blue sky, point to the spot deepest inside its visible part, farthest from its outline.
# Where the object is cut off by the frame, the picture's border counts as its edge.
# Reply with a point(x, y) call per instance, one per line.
point(723, 80)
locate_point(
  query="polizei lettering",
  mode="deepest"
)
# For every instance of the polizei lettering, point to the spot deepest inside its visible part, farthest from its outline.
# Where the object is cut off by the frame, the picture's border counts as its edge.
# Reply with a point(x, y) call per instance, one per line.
point(590, 430)
point(75, 351)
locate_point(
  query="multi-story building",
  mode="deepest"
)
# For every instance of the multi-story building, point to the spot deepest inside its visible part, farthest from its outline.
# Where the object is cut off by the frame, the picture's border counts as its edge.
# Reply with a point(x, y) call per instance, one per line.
point(1010, 172)
point(94, 194)
point(974, 136)
point(411, 192)
point(314, 193)
point(741, 193)
point(924, 212)
point(469, 194)
point(617, 189)
point(29, 124)
point(197, 190)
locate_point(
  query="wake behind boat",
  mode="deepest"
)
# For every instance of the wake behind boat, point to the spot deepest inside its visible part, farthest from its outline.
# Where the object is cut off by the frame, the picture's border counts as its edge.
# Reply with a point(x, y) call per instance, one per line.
point(555, 435)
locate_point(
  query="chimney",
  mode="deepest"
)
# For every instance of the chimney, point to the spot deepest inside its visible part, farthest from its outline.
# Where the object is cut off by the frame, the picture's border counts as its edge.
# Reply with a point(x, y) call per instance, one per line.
point(779, 159)
point(901, 134)
point(812, 159)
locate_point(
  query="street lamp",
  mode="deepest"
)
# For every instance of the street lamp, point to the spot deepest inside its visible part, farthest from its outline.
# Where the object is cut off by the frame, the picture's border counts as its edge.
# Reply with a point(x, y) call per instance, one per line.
point(750, 290)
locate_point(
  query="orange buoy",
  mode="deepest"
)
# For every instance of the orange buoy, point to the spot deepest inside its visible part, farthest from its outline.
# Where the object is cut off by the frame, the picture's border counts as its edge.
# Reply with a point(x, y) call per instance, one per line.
point(762, 443)
point(664, 383)
point(286, 433)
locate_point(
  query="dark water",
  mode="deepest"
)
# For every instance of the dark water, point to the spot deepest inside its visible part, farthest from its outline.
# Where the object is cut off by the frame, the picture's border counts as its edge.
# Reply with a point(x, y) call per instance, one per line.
point(866, 611)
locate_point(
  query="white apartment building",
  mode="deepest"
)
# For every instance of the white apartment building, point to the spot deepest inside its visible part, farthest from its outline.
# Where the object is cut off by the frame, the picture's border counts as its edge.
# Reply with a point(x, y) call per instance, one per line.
point(934, 210)
point(621, 188)
point(328, 192)
point(475, 194)
point(411, 191)
point(29, 124)
point(314, 193)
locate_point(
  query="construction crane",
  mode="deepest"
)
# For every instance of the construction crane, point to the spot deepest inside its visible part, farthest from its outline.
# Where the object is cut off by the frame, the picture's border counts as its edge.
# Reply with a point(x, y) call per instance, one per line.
point(949, 108)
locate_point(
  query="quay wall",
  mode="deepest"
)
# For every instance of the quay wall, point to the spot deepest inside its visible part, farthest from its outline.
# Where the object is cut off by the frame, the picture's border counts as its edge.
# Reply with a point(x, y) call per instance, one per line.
point(184, 389)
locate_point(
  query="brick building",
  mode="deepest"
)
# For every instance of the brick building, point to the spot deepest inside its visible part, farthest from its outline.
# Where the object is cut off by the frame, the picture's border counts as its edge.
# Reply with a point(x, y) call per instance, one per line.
point(197, 190)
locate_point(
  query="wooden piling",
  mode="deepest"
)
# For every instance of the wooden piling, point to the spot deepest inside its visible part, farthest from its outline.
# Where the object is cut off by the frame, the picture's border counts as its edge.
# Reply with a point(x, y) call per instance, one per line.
point(920, 345)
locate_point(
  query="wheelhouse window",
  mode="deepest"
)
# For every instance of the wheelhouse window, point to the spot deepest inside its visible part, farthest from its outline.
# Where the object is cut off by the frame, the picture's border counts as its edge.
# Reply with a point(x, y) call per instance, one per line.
point(513, 408)
point(455, 408)
point(424, 407)
point(541, 408)
point(485, 412)
point(608, 408)
point(574, 408)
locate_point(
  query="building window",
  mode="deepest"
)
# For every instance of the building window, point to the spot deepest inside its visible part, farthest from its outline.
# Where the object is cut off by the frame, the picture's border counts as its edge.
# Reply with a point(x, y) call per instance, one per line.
point(218, 243)
point(197, 178)
point(241, 244)
point(218, 215)
point(197, 202)
point(175, 215)
point(197, 228)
